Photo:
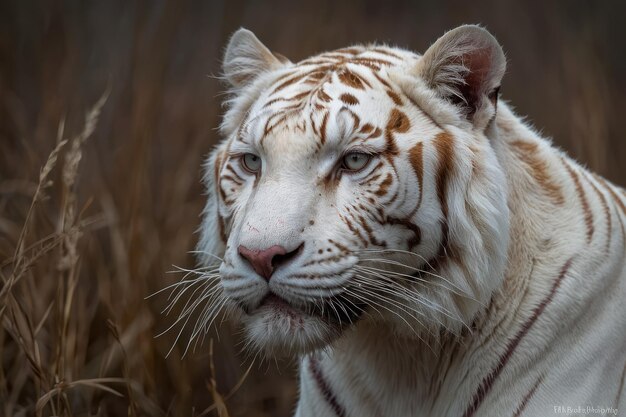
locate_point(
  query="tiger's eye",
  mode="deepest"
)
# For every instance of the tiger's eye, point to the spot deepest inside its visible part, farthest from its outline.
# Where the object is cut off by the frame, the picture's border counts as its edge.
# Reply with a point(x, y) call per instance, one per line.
point(251, 162)
point(355, 161)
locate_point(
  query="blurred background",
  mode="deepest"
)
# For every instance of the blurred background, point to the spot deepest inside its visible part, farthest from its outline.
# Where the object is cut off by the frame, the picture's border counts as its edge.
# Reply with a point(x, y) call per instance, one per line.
point(88, 233)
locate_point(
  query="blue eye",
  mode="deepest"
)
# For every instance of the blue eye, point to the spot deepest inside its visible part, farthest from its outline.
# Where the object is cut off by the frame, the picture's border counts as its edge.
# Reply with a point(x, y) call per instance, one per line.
point(251, 162)
point(355, 161)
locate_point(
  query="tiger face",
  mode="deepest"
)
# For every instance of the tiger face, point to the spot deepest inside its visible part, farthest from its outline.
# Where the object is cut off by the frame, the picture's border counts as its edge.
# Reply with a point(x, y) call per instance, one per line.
point(357, 186)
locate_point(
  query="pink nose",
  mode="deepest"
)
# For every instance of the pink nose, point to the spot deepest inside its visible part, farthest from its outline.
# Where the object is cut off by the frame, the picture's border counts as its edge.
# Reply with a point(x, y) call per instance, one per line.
point(266, 260)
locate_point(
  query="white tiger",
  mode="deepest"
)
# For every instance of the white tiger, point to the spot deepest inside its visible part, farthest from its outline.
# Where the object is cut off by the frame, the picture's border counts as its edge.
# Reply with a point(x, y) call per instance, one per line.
point(425, 252)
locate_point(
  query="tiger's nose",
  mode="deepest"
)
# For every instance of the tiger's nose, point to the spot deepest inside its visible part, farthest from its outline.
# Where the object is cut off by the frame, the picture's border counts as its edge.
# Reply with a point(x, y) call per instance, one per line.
point(265, 261)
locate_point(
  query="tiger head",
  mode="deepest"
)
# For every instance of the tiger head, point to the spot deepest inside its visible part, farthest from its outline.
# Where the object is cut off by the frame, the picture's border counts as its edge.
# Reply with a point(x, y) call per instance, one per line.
point(358, 185)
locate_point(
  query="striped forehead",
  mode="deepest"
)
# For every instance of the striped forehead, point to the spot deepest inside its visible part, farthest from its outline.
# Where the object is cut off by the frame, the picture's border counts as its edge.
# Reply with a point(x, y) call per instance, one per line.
point(355, 69)
point(328, 93)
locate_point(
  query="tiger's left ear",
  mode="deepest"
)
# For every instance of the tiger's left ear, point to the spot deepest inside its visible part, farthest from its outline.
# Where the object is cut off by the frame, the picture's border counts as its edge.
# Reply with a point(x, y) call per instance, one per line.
point(246, 58)
point(465, 66)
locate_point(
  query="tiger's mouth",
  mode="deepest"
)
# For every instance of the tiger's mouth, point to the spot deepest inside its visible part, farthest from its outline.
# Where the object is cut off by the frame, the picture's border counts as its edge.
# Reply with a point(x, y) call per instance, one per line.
point(277, 304)
point(338, 311)
point(281, 327)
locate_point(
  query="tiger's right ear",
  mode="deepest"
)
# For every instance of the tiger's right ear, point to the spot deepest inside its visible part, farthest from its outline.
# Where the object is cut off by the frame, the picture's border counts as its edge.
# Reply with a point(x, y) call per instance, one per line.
point(246, 58)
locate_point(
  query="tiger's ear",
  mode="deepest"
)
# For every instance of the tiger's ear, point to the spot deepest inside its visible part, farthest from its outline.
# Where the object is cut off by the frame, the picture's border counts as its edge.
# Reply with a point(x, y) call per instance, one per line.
point(465, 66)
point(246, 58)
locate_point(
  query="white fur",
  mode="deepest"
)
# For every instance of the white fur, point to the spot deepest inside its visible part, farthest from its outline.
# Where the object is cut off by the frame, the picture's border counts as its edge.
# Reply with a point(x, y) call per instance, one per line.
point(426, 353)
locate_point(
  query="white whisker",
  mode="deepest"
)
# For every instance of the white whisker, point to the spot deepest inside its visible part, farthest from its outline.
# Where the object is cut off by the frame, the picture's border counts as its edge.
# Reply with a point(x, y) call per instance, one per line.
point(200, 252)
point(412, 296)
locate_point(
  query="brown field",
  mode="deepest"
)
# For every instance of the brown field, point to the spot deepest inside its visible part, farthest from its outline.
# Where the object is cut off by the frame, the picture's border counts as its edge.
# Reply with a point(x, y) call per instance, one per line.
point(100, 198)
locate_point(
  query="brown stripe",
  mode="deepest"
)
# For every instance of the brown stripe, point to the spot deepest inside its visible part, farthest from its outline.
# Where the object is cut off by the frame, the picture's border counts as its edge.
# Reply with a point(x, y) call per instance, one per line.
point(282, 77)
point(288, 82)
point(607, 212)
point(529, 153)
point(232, 179)
point(373, 178)
point(297, 97)
point(366, 128)
point(229, 169)
point(527, 397)
point(394, 97)
point(304, 276)
point(488, 381)
point(375, 134)
point(351, 51)
point(617, 200)
point(370, 232)
point(243, 126)
point(333, 259)
point(582, 196)
point(351, 79)
point(369, 181)
point(354, 230)
point(312, 122)
point(382, 80)
point(416, 158)
point(342, 248)
point(301, 126)
point(324, 388)
point(386, 52)
point(394, 196)
point(369, 62)
point(445, 151)
point(317, 75)
point(322, 95)
point(348, 99)
point(398, 122)
point(269, 126)
point(384, 185)
point(323, 128)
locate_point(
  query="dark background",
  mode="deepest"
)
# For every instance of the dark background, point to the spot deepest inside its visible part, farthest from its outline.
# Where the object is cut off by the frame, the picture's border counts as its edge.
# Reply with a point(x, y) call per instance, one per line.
point(138, 184)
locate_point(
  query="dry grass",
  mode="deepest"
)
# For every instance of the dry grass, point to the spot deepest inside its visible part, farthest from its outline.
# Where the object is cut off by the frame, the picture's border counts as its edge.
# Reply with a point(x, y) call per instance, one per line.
point(43, 349)
point(54, 361)
point(96, 207)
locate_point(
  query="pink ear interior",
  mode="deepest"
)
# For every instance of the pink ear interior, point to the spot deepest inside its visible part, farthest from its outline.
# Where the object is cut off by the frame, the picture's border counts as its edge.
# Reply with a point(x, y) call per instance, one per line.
point(479, 64)
point(465, 66)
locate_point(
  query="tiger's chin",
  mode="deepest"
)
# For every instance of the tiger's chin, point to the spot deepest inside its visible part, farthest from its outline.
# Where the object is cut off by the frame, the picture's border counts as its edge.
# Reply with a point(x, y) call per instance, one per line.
point(281, 330)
